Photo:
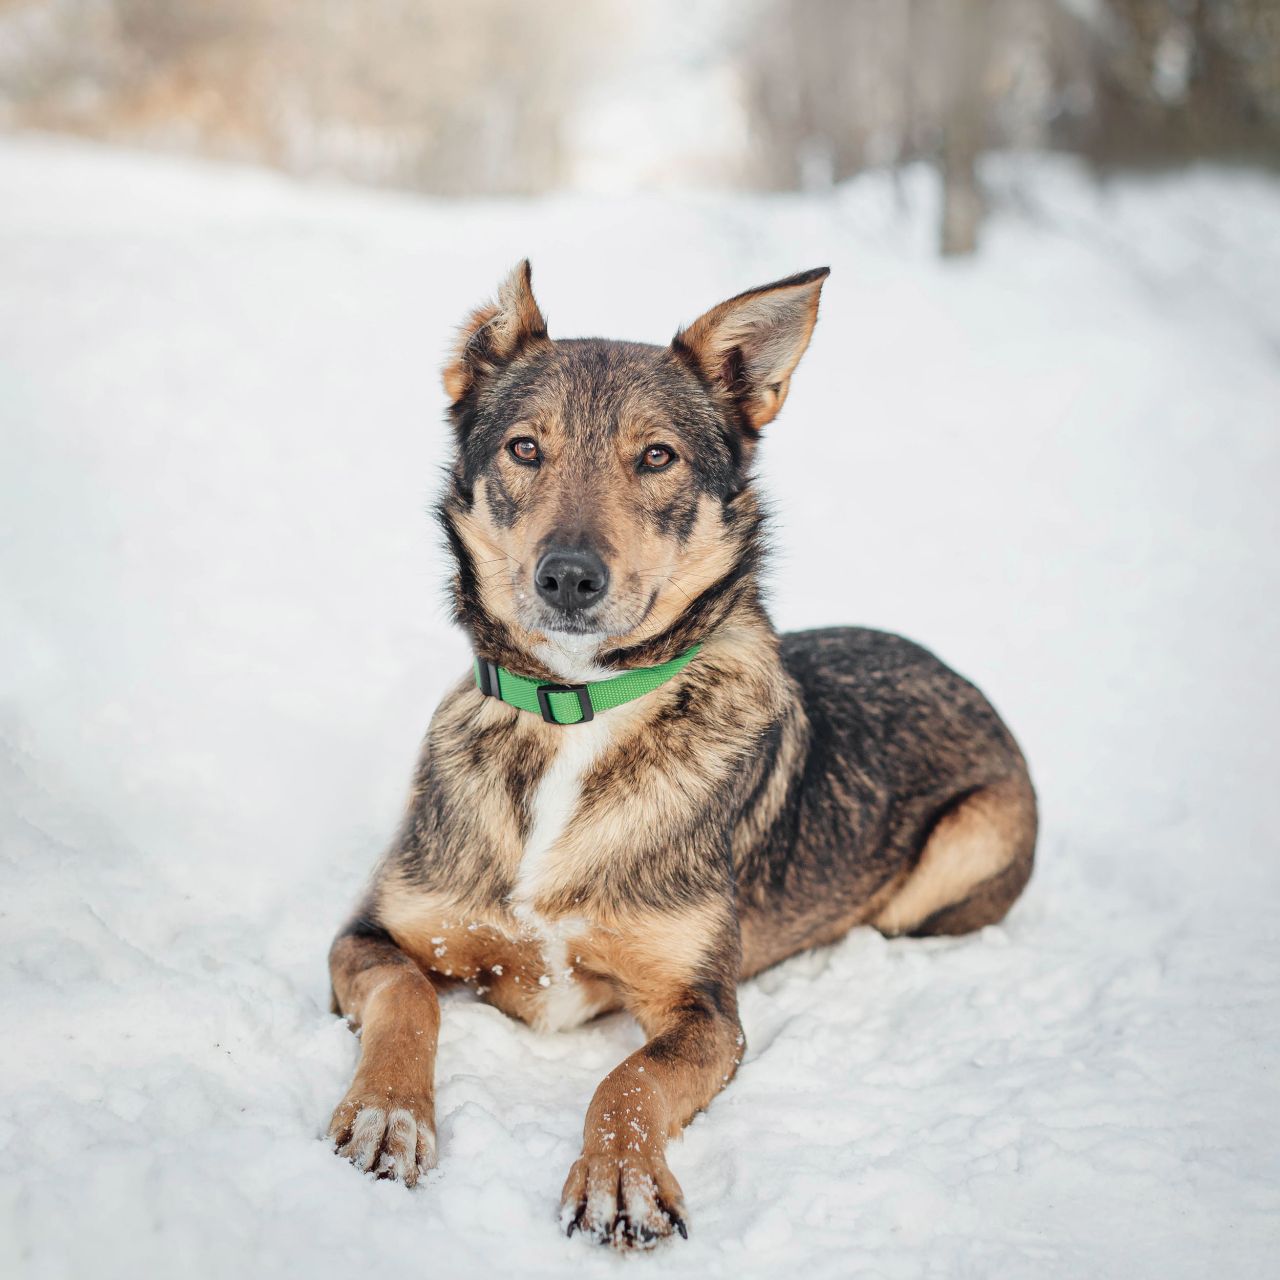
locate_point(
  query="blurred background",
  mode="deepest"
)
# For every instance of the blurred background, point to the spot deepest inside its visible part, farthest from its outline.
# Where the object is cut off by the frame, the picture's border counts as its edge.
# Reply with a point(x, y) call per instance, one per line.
point(504, 97)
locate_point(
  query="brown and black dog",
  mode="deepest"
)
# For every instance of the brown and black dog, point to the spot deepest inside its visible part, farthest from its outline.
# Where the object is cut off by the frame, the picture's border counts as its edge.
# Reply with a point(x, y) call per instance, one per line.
point(773, 793)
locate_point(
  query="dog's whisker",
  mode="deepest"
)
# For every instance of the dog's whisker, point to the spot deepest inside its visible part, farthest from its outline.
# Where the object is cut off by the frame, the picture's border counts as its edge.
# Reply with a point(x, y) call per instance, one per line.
point(669, 576)
point(480, 535)
point(501, 556)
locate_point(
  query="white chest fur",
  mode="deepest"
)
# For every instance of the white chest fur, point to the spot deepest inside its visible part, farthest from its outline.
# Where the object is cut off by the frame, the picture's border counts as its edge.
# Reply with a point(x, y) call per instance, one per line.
point(552, 808)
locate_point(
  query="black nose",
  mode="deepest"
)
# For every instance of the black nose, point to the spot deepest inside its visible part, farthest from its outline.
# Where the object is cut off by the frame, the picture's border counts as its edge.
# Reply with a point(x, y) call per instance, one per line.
point(571, 579)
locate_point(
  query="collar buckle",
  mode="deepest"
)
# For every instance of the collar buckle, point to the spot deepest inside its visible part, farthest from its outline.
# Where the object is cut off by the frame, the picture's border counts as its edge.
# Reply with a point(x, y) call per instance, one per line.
point(487, 678)
point(584, 701)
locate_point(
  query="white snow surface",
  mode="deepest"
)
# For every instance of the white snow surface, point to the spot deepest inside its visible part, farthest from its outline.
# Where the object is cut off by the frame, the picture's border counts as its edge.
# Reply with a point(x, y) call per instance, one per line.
point(222, 633)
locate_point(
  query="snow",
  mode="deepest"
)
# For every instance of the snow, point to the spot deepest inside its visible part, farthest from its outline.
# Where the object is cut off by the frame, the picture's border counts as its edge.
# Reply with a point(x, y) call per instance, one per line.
point(222, 635)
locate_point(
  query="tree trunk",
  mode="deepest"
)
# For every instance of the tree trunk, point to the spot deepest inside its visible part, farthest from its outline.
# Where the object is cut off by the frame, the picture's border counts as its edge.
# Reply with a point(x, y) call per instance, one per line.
point(965, 24)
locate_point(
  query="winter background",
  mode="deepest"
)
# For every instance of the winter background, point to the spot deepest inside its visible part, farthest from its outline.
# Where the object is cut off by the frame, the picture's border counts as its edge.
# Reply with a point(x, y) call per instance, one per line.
point(1055, 460)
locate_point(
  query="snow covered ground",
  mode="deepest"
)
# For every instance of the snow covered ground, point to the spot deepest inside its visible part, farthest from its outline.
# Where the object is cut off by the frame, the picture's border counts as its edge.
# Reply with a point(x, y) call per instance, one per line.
point(221, 635)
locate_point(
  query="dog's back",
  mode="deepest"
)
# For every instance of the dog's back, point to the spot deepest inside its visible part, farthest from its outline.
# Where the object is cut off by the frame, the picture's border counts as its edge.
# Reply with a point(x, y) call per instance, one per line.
point(896, 748)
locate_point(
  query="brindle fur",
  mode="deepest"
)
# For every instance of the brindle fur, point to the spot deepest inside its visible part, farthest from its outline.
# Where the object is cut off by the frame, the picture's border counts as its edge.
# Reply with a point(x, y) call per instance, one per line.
point(774, 794)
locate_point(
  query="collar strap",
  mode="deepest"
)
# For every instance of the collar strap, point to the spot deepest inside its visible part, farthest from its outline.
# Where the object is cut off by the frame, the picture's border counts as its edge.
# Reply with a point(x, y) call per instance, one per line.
point(574, 703)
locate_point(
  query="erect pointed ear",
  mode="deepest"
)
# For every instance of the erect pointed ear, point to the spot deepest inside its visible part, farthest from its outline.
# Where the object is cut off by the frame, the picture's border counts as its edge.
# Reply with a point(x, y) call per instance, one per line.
point(749, 346)
point(495, 333)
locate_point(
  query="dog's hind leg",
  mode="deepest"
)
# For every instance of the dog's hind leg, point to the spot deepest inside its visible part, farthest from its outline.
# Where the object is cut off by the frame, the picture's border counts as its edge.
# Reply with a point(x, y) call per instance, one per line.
point(386, 1122)
point(975, 863)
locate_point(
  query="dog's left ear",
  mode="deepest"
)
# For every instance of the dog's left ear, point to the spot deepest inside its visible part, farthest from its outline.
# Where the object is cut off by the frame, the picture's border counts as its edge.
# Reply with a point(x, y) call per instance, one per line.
point(496, 333)
point(749, 346)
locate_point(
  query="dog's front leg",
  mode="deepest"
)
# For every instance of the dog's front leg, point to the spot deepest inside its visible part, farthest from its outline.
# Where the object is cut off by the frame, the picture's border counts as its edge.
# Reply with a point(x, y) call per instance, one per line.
point(386, 1123)
point(620, 1190)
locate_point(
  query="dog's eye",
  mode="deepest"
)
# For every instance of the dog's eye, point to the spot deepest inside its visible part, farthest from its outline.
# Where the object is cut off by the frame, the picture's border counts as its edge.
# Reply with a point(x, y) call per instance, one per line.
point(526, 451)
point(657, 457)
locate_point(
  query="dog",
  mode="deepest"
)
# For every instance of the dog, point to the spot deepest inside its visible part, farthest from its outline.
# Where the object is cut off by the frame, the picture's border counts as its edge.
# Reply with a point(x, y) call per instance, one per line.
point(642, 794)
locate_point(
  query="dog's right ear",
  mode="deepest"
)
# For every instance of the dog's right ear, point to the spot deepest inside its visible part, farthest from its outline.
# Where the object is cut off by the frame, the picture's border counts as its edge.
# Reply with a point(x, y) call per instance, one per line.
point(495, 333)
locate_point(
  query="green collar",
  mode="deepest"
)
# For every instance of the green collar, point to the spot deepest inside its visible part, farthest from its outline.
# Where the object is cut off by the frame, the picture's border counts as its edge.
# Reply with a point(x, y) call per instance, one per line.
point(574, 703)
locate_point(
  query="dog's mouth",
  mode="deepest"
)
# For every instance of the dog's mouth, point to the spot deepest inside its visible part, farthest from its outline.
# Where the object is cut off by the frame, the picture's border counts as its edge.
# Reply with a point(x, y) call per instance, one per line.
point(607, 620)
point(578, 625)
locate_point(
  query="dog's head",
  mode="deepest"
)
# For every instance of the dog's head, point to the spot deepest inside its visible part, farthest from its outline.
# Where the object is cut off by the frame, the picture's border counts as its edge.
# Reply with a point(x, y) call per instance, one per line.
point(599, 498)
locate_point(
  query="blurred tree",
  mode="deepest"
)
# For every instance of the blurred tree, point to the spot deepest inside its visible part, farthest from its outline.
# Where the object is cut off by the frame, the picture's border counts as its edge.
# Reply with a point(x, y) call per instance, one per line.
point(835, 86)
point(442, 95)
point(1179, 80)
point(963, 124)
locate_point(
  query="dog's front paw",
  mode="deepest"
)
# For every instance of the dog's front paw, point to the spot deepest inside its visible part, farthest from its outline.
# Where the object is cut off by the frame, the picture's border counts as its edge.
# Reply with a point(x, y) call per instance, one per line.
point(388, 1135)
point(630, 1201)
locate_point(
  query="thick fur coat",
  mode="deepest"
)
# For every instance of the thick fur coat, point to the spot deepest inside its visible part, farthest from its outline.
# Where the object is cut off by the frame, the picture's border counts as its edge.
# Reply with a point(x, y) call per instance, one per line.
point(775, 793)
